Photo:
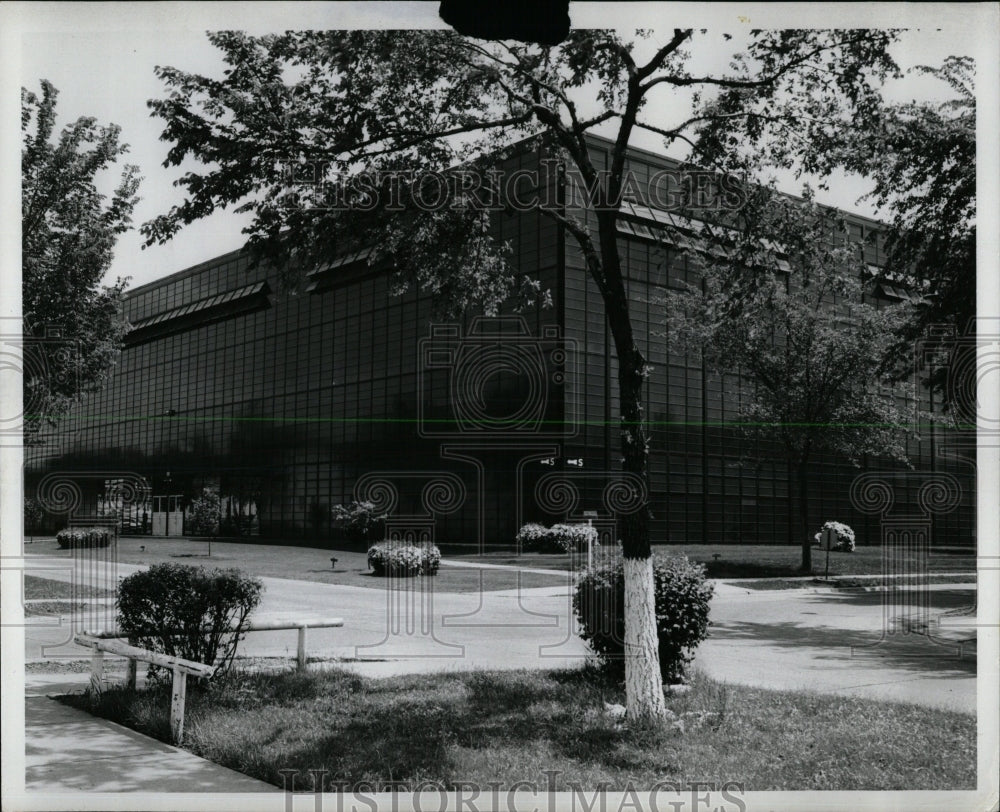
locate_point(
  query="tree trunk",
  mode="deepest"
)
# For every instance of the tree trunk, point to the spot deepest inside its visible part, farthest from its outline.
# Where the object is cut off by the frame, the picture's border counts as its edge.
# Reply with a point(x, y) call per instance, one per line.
point(643, 683)
point(803, 489)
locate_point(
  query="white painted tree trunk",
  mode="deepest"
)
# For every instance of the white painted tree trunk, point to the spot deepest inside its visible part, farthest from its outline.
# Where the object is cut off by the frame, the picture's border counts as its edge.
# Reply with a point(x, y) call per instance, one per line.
point(643, 684)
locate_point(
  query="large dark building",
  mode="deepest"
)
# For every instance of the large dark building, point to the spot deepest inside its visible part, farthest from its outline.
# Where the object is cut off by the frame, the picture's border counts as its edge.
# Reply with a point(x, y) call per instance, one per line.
point(287, 403)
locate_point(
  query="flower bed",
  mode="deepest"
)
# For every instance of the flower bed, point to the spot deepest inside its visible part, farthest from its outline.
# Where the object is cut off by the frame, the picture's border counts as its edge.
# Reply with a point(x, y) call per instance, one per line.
point(560, 538)
point(74, 537)
point(398, 559)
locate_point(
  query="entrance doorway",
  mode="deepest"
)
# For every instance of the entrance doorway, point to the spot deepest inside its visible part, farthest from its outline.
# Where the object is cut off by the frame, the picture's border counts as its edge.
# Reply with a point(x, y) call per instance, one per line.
point(167, 518)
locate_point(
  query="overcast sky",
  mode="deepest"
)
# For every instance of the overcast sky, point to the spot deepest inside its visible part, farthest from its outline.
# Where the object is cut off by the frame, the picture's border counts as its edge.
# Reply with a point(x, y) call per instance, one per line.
point(101, 58)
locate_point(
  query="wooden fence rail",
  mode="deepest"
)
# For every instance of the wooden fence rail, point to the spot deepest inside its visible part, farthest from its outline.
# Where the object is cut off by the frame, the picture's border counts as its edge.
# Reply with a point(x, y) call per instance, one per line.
point(302, 626)
point(178, 665)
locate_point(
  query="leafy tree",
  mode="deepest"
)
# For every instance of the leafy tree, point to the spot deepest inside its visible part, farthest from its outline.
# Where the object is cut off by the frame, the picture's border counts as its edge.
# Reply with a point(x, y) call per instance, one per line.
point(781, 305)
point(206, 513)
point(356, 102)
point(921, 161)
point(71, 322)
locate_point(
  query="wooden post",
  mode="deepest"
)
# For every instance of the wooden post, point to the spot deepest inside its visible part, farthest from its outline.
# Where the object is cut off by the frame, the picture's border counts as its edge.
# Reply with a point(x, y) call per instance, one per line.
point(130, 673)
point(96, 670)
point(302, 647)
point(178, 696)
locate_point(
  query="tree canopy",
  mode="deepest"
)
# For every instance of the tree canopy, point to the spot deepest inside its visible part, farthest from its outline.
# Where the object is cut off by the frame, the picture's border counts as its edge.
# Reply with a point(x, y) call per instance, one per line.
point(781, 304)
point(343, 106)
point(72, 324)
point(919, 161)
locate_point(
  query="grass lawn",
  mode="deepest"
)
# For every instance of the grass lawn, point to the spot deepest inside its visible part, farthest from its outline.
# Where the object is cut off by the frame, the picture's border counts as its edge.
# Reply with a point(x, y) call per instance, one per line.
point(483, 727)
point(52, 597)
point(36, 588)
point(847, 582)
point(303, 564)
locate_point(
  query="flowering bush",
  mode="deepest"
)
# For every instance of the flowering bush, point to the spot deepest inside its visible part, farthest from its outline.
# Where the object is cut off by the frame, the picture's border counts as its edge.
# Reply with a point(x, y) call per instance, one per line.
point(682, 597)
point(73, 537)
point(531, 536)
point(845, 536)
point(560, 538)
point(398, 559)
point(359, 521)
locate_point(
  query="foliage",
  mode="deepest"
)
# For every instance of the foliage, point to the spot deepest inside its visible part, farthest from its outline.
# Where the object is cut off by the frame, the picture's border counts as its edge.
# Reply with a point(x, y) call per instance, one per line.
point(682, 597)
point(781, 304)
point(205, 514)
point(845, 536)
point(402, 560)
point(72, 325)
point(531, 536)
point(236, 524)
point(919, 161)
point(75, 537)
point(560, 538)
point(33, 514)
point(344, 105)
point(359, 521)
point(188, 612)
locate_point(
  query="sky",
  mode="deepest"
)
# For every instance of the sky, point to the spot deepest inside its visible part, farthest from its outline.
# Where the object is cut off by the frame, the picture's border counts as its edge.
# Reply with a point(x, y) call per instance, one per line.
point(102, 57)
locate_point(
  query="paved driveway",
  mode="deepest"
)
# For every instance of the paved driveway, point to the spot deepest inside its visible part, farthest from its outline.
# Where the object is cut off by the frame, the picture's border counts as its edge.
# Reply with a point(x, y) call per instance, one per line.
point(829, 641)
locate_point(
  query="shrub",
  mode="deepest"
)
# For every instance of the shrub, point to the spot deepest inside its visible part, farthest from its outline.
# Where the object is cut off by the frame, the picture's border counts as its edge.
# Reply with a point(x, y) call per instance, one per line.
point(399, 559)
point(531, 537)
point(188, 612)
point(572, 537)
point(76, 537)
point(560, 538)
point(206, 514)
point(359, 521)
point(682, 603)
point(845, 536)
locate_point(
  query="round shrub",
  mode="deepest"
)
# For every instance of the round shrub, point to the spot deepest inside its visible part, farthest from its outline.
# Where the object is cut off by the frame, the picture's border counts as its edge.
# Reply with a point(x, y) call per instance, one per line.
point(75, 537)
point(531, 537)
point(188, 612)
point(845, 536)
point(402, 560)
point(682, 604)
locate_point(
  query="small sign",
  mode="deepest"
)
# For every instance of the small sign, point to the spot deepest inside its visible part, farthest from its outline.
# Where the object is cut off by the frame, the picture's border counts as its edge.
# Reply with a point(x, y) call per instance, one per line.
point(829, 539)
point(590, 514)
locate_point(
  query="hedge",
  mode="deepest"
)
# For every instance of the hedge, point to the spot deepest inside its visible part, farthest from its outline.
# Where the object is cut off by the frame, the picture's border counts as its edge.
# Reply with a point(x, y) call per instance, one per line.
point(399, 559)
point(76, 537)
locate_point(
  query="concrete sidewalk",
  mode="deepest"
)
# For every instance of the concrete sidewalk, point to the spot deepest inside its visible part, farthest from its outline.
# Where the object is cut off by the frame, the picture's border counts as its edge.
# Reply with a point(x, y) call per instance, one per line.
point(67, 750)
point(848, 643)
